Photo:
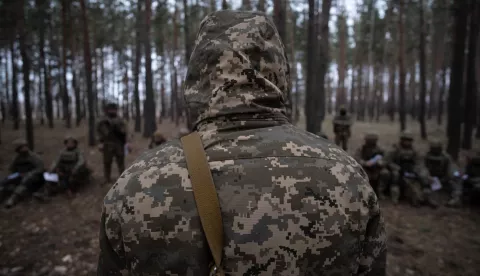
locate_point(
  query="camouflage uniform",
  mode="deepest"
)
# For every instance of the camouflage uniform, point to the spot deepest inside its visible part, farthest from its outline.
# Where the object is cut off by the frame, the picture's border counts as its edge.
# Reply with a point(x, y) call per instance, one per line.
point(441, 165)
point(408, 176)
point(113, 134)
point(291, 203)
point(30, 167)
point(323, 135)
point(71, 168)
point(471, 184)
point(156, 140)
point(341, 127)
point(376, 172)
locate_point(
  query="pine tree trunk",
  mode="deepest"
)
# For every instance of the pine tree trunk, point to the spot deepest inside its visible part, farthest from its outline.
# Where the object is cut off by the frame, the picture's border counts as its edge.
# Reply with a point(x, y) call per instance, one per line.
point(460, 14)
point(352, 91)
point(440, 15)
point(65, 97)
point(423, 73)
point(7, 84)
point(88, 73)
point(471, 85)
point(342, 65)
point(136, 68)
point(186, 30)
point(370, 65)
point(401, 65)
point(26, 75)
point(310, 101)
point(102, 75)
point(225, 5)
point(261, 5)
point(412, 87)
point(149, 112)
point(15, 106)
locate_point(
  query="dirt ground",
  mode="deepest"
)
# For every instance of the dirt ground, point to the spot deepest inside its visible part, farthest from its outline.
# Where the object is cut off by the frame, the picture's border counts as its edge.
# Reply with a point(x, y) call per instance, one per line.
point(61, 237)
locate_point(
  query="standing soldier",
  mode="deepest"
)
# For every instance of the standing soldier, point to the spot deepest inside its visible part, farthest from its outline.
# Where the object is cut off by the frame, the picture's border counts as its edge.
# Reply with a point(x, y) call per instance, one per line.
point(71, 168)
point(370, 156)
point(157, 139)
point(26, 169)
point(341, 128)
point(409, 177)
point(441, 167)
point(113, 138)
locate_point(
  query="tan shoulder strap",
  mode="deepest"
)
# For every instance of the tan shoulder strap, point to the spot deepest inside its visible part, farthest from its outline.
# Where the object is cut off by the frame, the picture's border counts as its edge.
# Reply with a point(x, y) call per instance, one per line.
point(205, 195)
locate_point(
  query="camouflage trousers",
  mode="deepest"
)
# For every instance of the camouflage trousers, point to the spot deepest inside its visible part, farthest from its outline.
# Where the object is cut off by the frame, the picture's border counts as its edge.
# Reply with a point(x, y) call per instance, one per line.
point(16, 188)
point(341, 141)
point(113, 151)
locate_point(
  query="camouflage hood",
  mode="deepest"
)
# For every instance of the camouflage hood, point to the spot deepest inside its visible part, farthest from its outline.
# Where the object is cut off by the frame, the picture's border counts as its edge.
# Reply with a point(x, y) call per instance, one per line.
point(238, 73)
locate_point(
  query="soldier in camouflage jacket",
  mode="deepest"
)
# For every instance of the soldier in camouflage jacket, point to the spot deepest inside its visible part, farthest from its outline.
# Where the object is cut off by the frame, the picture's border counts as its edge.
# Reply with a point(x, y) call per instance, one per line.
point(292, 203)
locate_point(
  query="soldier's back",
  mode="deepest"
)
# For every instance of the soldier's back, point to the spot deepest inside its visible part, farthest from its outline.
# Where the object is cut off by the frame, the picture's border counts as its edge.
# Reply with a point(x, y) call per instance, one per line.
point(292, 204)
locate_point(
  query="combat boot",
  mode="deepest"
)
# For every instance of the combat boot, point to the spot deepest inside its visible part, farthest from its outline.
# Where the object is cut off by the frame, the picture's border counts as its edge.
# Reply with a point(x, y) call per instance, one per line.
point(11, 201)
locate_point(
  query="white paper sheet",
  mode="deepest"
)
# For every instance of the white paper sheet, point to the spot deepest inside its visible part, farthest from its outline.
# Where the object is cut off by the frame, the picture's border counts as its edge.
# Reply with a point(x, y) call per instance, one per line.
point(51, 177)
point(376, 158)
point(436, 184)
point(13, 175)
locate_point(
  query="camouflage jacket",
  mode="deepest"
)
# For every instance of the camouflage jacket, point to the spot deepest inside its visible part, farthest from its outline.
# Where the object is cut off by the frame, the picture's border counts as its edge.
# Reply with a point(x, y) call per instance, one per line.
point(341, 125)
point(69, 160)
point(291, 203)
point(365, 153)
point(112, 130)
point(29, 164)
point(406, 161)
point(440, 165)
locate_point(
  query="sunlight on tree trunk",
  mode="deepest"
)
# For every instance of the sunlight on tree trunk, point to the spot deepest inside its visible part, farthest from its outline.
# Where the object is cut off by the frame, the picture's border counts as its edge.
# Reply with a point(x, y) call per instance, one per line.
point(423, 80)
point(401, 65)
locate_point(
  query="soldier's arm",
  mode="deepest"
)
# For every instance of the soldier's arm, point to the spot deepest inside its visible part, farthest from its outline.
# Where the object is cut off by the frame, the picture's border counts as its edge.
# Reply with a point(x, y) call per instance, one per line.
point(38, 166)
point(54, 165)
point(12, 167)
point(358, 157)
point(373, 258)
point(112, 256)
point(100, 132)
point(80, 162)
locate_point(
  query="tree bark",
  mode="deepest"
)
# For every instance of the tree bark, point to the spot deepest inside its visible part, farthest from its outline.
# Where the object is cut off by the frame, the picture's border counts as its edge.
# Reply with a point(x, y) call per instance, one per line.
point(26, 75)
point(136, 69)
point(261, 5)
point(88, 73)
point(15, 106)
point(225, 5)
point(310, 101)
point(65, 97)
point(401, 63)
point(441, 95)
point(342, 65)
point(370, 65)
point(423, 80)
point(41, 5)
point(460, 12)
point(186, 30)
point(149, 112)
point(471, 85)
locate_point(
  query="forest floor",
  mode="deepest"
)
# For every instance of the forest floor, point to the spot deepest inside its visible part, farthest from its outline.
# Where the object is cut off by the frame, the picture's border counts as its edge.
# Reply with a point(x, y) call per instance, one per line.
point(61, 237)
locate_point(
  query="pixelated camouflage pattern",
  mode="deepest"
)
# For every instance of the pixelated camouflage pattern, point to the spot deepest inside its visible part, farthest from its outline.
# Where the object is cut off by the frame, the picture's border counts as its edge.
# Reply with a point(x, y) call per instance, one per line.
point(291, 202)
point(69, 160)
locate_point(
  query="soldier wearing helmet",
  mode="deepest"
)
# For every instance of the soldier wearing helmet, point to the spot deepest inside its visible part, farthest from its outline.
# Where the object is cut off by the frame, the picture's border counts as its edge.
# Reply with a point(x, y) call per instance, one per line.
point(71, 168)
point(341, 127)
point(442, 168)
point(113, 138)
point(370, 156)
point(409, 178)
point(157, 139)
point(26, 174)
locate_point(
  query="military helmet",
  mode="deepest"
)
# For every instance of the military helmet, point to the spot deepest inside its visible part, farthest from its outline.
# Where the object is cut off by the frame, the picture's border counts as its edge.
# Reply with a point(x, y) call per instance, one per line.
point(371, 137)
point(406, 135)
point(18, 143)
point(342, 108)
point(111, 105)
point(69, 137)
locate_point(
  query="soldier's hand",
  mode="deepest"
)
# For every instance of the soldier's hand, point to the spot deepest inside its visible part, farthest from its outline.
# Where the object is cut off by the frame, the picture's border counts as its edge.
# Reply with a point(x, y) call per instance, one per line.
point(100, 147)
point(369, 163)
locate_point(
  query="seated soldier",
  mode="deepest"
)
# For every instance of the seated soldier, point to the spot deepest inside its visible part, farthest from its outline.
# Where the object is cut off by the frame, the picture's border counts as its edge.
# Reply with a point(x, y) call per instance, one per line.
point(408, 176)
point(370, 156)
point(471, 180)
point(71, 168)
point(441, 166)
point(157, 139)
point(26, 177)
point(341, 128)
